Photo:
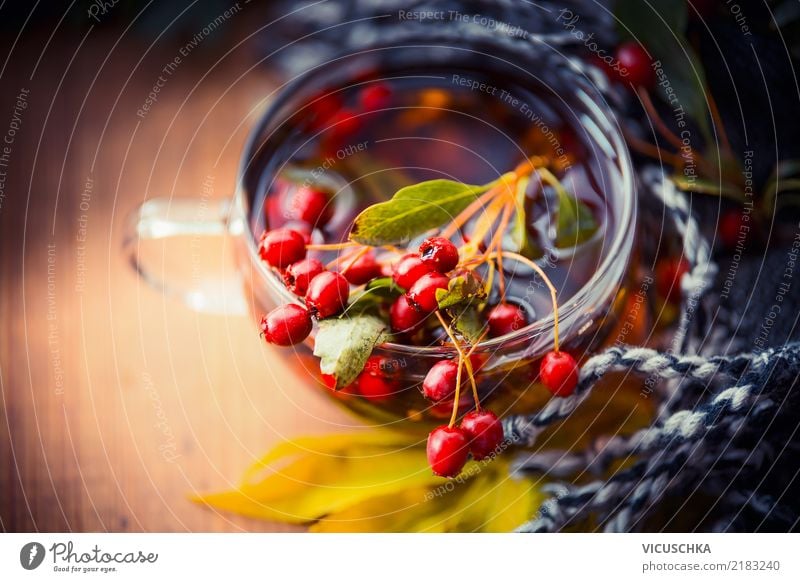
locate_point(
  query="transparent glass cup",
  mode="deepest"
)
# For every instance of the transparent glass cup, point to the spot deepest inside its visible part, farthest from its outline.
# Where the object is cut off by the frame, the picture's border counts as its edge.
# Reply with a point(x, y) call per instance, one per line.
point(509, 364)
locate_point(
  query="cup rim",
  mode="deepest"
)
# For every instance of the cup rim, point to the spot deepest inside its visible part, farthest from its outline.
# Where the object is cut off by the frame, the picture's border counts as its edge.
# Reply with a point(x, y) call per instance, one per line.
point(621, 243)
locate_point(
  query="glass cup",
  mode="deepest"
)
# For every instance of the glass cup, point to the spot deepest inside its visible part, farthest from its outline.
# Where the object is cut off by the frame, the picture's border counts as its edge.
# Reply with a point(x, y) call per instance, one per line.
point(508, 365)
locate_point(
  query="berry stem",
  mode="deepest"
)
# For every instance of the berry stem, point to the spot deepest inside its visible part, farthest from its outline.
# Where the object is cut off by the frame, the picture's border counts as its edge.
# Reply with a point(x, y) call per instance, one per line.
point(352, 259)
point(497, 245)
point(466, 214)
point(332, 246)
point(652, 151)
point(462, 359)
point(471, 372)
point(656, 118)
point(545, 278)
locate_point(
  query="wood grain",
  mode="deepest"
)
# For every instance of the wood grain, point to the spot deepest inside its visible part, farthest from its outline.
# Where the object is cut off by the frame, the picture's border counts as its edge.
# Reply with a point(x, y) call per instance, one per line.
point(118, 402)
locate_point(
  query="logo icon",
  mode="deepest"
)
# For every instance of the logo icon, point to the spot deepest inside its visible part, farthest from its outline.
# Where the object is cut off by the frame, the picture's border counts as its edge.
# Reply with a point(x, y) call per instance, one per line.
point(31, 555)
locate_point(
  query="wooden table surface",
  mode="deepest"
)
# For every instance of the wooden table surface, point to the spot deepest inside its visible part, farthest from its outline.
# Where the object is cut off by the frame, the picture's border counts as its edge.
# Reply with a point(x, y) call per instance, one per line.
point(117, 402)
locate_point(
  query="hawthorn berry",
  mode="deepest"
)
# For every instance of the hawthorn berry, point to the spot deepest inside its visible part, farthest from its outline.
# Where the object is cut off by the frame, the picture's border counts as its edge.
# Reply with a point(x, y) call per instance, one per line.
point(559, 373)
point(310, 205)
point(635, 64)
point(669, 272)
point(439, 253)
point(403, 317)
point(448, 449)
point(440, 381)
point(327, 294)
point(282, 247)
point(408, 270)
point(286, 325)
point(422, 294)
point(485, 432)
point(375, 387)
point(730, 228)
point(323, 109)
point(445, 409)
point(340, 128)
point(362, 270)
point(506, 318)
point(298, 275)
point(376, 96)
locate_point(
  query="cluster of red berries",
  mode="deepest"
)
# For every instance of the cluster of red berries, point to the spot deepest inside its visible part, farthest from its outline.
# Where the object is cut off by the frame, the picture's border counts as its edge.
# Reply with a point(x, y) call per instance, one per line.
point(480, 432)
point(421, 274)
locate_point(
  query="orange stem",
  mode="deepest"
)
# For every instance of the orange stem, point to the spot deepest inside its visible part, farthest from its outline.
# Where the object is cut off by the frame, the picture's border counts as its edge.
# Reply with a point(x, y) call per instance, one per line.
point(548, 282)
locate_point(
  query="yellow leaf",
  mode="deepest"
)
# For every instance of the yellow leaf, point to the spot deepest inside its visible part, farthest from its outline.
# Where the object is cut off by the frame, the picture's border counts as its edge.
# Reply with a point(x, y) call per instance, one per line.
point(331, 473)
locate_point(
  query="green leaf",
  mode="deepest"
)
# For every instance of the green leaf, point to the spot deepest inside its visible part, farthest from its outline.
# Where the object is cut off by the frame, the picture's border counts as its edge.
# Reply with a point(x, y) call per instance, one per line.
point(519, 231)
point(414, 210)
point(661, 27)
point(703, 186)
point(461, 289)
point(377, 292)
point(344, 344)
point(467, 322)
point(575, 223)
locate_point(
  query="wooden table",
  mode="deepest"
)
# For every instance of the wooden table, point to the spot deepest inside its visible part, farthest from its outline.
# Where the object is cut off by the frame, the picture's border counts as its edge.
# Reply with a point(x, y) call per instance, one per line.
point(117, 402)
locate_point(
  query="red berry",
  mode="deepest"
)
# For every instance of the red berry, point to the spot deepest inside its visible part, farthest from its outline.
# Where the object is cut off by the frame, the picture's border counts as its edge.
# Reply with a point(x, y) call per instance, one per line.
point(303, 228)
point(439, 253)
point(448, 448)
point(506, 318)
point(286, 325)
point(298, 275)
point(404, 318)
point(440, 381)
point(327, 294)
point(559, 373)
point(364, 269)
point(310, 205)
point(282, 247)
point(445, 409)
point(730, 228)
point(422, 294)
point(669, 272)
point(374, 97)
point(408, 270)
point(323, 108)
point(485, 432)
point(635, 65)
point(340, 128)
point(376, 388)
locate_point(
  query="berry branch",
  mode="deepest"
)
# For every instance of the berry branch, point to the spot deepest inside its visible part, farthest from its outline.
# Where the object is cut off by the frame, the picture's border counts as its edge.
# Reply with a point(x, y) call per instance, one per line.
point(359, 306)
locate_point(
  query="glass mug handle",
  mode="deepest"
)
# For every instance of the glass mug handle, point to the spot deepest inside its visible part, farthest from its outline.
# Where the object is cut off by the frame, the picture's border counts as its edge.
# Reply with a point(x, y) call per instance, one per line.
point(178, 246)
